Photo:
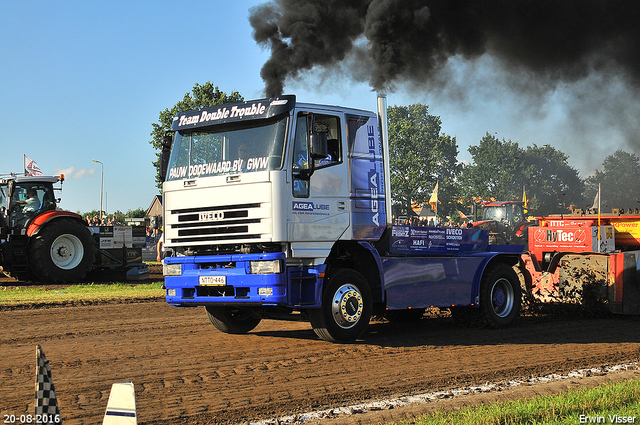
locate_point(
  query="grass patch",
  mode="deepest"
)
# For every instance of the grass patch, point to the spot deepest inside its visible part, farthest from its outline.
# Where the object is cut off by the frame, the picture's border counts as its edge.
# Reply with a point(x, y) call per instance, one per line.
point(609, 403)
point(26, 295)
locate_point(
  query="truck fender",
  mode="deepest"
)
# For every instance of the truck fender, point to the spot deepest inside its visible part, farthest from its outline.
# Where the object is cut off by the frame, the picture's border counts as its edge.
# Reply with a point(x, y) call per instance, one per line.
point(377, 278)
point(489, 258)
point(362, 257)
point(40, 220)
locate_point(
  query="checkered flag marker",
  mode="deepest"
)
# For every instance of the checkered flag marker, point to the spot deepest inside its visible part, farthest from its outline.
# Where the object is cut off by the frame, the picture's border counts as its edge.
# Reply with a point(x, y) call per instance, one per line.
point(121, 407)
point(47, 411)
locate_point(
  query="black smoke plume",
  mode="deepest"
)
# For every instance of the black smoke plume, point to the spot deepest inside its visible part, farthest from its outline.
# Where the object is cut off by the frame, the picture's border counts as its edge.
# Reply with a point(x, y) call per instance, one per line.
point(396, 41)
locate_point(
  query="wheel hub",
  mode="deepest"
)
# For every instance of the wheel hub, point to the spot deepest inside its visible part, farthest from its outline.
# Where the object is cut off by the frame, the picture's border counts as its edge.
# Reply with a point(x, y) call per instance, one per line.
point(347, 306)
point(63, 251)
point(66, 251)
point(502, 297)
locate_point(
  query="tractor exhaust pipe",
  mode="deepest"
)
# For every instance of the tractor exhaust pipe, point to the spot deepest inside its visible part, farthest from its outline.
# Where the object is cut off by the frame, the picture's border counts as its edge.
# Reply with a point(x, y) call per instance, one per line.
point(384, 135)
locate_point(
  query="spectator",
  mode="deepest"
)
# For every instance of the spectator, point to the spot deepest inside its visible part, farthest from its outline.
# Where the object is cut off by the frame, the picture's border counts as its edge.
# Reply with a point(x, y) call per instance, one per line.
point(160, 247)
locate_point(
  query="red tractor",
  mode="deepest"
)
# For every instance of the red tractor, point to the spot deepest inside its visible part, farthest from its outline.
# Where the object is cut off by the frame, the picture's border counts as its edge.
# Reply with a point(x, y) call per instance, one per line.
point(505, 221)
point(38, 241)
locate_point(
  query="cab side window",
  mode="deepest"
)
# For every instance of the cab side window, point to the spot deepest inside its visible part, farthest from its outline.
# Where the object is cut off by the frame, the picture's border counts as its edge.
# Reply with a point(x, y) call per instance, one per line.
point(331, 125)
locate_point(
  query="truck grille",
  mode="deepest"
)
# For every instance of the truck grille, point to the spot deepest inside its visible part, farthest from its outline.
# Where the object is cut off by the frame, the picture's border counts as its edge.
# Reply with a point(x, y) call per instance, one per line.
point(215, 224)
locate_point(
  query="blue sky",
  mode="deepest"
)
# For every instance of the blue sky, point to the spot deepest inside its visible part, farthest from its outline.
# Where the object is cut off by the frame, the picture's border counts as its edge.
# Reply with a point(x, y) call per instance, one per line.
point(85, 80)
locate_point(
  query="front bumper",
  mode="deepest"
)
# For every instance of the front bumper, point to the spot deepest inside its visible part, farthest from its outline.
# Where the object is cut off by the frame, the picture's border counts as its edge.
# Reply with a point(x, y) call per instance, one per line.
point(227, 280)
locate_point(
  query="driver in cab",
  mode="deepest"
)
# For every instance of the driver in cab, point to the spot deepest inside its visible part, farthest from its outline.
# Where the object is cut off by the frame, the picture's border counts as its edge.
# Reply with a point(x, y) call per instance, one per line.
point(32, 203)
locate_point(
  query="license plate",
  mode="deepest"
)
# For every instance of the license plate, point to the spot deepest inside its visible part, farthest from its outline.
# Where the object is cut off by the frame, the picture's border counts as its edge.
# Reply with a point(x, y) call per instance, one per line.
point(213, 280)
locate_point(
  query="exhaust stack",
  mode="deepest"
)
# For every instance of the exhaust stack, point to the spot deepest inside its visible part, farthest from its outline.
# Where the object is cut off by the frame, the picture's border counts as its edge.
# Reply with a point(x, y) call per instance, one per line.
point(384, 134)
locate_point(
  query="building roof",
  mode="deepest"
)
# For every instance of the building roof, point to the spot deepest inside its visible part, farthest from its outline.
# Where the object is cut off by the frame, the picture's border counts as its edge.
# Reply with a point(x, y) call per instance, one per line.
point(156, 199)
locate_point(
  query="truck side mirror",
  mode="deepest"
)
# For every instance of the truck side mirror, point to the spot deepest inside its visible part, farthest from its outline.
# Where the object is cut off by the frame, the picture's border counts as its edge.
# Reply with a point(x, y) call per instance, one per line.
point(318, 142)
point(167, 143)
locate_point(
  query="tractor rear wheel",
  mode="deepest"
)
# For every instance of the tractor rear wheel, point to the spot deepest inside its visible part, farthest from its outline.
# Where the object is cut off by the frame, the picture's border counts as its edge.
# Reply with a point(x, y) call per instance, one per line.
point(63, 251)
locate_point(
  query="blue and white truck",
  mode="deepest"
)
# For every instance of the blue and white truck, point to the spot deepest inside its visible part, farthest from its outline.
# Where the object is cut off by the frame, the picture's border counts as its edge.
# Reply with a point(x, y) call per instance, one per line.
point(282, 210)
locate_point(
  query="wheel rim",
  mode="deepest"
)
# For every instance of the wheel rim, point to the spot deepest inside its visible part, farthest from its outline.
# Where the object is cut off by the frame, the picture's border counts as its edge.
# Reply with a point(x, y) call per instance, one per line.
point(67, 251)
point(347, 306)
point(502, 297)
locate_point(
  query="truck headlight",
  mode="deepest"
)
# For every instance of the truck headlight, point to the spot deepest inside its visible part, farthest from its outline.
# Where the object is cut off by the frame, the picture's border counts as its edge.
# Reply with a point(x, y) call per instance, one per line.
point(265, 266)
point(172, 269)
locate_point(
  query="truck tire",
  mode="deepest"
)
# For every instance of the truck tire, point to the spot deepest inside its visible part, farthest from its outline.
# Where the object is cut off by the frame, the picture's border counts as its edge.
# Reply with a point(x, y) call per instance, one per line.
point(232, 320)
point(346, 308)
point(500, 297)
point(462, 316)
point(63, 251)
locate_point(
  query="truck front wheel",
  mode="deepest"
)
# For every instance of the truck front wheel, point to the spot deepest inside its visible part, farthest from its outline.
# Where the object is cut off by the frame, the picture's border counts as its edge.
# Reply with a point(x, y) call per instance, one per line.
point(231, 320)
point(500, 297)
point(346, 309)
point(63, 251)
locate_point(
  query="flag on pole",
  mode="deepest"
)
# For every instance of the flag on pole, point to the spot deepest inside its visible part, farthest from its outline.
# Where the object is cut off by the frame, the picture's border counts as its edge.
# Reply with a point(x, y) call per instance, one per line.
point(30, 167)
point(433, 201)
point(525, 201)
point(596, 200)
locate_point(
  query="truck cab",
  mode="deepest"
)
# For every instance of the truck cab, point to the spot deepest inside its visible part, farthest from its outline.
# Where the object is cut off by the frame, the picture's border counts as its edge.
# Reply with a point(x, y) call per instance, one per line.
point(273, 179)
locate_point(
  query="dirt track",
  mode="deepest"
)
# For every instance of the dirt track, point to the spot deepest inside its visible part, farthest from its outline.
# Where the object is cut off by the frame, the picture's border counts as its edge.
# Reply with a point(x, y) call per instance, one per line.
point(185, 371)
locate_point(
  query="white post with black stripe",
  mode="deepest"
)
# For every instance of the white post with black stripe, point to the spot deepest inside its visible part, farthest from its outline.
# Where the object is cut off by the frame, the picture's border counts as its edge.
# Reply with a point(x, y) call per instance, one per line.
point(121, 407)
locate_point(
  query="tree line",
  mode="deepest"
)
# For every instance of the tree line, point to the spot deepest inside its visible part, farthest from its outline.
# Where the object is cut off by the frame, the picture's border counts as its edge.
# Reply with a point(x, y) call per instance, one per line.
point(499, 170)
point(421, 155)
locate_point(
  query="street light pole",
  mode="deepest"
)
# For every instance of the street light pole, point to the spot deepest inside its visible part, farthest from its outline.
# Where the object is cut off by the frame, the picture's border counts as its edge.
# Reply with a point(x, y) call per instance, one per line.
point(101, 184)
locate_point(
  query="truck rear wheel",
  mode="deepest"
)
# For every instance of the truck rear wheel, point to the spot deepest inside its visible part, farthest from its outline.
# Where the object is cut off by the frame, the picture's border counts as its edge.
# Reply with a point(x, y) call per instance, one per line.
point(500, 297)
point(346, 309)
point(232, 320)
point(63, 251)
point(462, 316)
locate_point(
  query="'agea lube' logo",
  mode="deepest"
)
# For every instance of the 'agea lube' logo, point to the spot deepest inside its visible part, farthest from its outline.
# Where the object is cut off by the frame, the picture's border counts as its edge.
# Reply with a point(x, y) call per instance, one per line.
point(309, 206)
point(373, 176)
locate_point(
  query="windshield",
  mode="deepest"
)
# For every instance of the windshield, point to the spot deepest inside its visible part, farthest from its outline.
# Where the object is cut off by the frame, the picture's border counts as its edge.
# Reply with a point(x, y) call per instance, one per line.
point(254, 146)
point(494, 213)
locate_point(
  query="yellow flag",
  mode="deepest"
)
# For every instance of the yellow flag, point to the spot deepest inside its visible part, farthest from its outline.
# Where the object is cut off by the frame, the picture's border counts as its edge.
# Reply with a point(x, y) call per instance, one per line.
point(433, 201)
point(525, 201)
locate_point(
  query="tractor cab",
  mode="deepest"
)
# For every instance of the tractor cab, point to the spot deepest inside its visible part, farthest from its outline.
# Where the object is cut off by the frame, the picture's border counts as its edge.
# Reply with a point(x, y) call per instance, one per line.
point(22, 198)
point(505, 221)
